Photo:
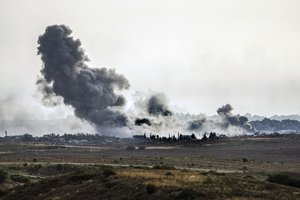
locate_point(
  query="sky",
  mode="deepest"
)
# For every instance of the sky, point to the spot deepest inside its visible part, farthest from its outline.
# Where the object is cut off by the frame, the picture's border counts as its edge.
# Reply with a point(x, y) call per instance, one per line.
point(200, 54)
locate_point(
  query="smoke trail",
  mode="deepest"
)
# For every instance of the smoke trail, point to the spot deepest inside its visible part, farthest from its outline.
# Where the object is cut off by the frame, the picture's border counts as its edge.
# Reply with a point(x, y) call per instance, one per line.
point(156, 105)
point(91, 91)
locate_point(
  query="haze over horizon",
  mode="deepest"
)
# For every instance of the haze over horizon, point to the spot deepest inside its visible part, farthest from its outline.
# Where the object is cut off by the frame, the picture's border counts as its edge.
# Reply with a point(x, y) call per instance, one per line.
point(200, 54)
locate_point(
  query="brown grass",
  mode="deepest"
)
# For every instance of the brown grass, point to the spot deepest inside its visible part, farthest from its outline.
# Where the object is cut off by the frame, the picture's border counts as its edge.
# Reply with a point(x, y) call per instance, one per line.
point(159, 178)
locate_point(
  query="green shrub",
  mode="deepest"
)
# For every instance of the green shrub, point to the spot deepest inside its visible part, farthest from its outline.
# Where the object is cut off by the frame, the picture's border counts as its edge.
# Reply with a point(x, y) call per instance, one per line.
point(108, 171)
point(208, 181)
point(2, 192)
point(187, 194)
point(32, 169)
point(167, 167)
point(245, 168)
point(59, 167)
point(81, 177)
point(249, 177)
point(3, 175)
point(19, 178)
point(284, 179)
point(169, 174)
point(130, 148)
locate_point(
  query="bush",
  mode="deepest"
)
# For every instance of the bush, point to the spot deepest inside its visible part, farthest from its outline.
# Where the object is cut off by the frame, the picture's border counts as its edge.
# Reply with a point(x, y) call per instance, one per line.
point(167, 167)
point(32, 169)
point(130, 148)
point(212, 172)
point(249, 177)
point(19, 178)
point(188, 194)
point(208, 181)
point(169, 174)
point(141, 148)
point(284, 179)
point(2, 192)
point(3, 175)
point(81, 177)
point(108, 171)
point(151, 189)
point(59, 167)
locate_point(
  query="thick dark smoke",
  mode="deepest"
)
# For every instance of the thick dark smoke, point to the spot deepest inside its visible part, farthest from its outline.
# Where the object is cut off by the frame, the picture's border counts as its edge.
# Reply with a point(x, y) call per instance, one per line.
point(91, 91)
point(225, 110)
point(94, 92)
point(141, 121)
point(156, 105)
point(197, 124)
point(230, 119)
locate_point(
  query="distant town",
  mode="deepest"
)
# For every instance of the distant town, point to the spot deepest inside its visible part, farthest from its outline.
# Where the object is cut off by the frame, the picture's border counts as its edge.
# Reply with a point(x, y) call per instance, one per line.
point(96, 139)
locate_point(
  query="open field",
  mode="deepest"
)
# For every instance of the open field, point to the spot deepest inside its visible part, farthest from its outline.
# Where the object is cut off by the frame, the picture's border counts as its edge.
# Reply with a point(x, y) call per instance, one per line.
point(238, 168)
point(257, 154)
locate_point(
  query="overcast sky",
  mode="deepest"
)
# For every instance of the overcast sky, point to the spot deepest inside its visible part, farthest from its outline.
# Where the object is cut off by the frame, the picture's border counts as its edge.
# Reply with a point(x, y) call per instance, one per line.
point(201, 54)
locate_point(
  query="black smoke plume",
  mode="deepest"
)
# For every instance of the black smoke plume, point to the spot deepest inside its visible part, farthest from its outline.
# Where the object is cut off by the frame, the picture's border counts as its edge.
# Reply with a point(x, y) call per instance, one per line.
point(90, 91)
point(139, 122)
point(156, 105)
point(225, 110)
point(230, 119)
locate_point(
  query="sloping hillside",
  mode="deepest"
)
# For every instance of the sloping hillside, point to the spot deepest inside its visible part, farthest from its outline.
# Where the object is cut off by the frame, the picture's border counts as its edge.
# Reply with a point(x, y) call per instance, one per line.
point(97, 182)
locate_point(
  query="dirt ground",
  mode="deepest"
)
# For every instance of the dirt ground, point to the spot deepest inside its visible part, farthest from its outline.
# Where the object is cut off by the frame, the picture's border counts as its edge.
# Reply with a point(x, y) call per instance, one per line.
point(238, 154)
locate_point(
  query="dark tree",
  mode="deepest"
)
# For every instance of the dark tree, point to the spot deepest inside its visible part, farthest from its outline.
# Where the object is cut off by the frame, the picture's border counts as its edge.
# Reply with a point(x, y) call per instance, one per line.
point(204, 137)
point(193, 136)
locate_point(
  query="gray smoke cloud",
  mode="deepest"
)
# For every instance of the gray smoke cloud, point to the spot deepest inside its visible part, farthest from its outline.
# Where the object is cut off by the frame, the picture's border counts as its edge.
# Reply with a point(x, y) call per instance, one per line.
point(92, 92)
point(225, 122)
point(230, 119)
point(48, 96)
point(225, 110)
point(156, 105)
point(197, 124)
point(150, 112)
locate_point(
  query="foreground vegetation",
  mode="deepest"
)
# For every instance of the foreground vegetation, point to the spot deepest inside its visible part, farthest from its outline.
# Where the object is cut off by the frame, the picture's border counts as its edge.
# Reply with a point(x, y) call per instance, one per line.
point(60, 181)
